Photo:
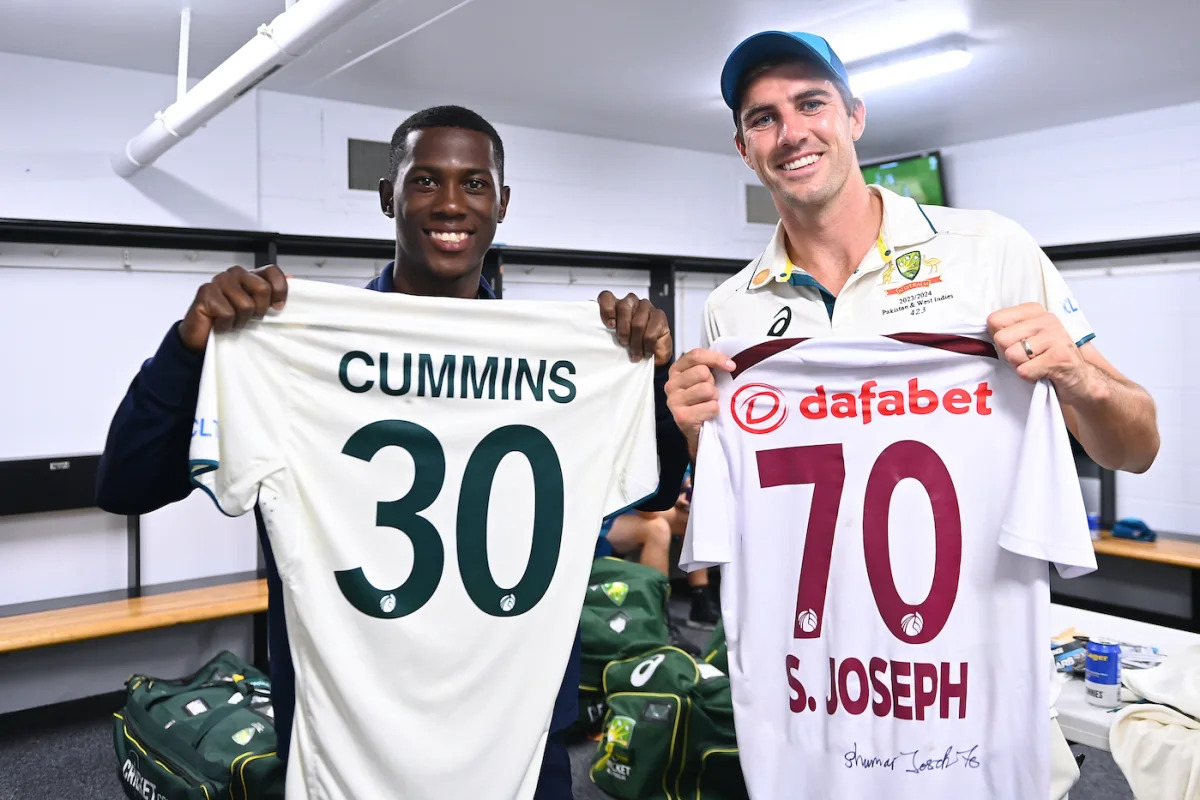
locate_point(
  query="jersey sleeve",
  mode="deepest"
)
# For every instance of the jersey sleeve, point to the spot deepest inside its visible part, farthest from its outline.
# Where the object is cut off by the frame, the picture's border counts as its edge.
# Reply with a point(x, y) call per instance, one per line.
point(708, 541)
point(240, 414)
point(708, 325)
point(1030, 277)
point(636, 465)
point(1046, 518)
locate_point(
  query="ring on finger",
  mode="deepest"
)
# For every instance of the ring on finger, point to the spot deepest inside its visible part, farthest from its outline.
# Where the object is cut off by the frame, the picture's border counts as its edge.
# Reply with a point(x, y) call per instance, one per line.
point(1028, 350)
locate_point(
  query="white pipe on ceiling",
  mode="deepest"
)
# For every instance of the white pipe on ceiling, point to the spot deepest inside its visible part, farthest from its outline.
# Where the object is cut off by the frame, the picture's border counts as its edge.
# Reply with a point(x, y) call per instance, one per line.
point(287, 37)
point(185, 32)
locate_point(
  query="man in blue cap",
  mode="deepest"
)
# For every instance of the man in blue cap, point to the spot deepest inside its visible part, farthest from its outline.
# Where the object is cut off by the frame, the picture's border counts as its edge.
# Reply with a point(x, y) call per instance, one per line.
point(839, 241)
point(843, 251)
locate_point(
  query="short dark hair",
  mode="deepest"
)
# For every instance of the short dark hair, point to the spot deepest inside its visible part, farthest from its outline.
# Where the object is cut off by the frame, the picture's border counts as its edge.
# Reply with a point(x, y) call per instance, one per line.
point(443, 117)
point(768, 64)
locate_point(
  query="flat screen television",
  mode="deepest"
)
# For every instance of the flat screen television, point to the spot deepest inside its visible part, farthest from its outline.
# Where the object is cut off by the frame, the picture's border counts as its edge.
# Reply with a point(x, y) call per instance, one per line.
point(918, 177)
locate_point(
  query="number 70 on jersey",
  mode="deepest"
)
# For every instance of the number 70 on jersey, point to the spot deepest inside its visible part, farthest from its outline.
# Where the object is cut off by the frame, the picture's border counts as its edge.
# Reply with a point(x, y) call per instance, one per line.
point(824, 467)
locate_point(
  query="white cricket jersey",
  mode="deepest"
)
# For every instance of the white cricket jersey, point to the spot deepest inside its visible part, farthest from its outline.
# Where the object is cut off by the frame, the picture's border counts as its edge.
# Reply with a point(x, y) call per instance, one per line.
point(885, 508)
point(932, 267)
point(432, 473)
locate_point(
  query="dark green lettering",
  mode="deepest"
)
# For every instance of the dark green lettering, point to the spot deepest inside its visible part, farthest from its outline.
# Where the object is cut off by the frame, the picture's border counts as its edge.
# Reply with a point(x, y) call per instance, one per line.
point(473, 500)
point(445, 376)
point(475, 492)
point(525, 374)
point(383, 375)
point(505, 378)
point(490, 368)
point(404, 515)
point(569, 395)
point(344, 370)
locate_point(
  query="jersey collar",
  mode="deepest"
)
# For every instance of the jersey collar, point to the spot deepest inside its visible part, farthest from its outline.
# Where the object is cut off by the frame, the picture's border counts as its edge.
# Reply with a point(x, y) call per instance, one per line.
point(383, 283)
point(904, 225)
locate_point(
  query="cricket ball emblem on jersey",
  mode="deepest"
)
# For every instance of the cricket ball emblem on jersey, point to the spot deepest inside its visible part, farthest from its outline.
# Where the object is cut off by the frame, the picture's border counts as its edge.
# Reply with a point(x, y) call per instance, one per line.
point(758, 408)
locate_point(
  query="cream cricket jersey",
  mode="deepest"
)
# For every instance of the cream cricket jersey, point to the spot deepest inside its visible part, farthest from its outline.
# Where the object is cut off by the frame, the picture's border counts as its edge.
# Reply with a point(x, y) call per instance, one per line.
point(932, 267)
point(432, 473)
point(885, 508)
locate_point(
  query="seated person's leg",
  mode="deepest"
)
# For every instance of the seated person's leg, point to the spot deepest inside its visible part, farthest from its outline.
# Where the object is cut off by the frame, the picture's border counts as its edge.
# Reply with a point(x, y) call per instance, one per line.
point(646, 530)
point(704, 613)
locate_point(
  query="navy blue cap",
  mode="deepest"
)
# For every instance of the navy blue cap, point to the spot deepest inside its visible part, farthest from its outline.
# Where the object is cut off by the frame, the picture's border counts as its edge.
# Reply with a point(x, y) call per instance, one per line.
point(774, 44)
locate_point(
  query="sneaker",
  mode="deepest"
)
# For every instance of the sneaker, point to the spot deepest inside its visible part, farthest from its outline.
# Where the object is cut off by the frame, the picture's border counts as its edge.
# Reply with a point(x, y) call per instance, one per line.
point(704, 613)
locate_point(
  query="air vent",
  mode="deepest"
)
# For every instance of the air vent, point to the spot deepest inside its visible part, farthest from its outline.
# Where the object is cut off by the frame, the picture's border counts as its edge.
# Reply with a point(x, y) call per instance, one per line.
point(367, 162)
point(760, 208)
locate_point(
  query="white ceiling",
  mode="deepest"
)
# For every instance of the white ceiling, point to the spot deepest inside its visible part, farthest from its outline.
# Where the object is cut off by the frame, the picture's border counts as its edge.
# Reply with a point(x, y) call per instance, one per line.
point(647, 70)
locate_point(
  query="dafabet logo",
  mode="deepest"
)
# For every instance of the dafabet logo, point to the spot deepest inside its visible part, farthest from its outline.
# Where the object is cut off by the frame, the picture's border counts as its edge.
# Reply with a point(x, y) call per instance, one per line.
point(758, 408)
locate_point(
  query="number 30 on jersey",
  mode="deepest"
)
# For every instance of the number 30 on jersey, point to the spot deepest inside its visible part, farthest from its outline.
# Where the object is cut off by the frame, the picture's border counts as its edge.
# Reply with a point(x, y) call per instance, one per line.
point(429, 554)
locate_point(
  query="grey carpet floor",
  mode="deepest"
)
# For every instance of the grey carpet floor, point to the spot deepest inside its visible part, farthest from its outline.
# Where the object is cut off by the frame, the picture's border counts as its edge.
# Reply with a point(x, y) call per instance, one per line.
point(75, 760)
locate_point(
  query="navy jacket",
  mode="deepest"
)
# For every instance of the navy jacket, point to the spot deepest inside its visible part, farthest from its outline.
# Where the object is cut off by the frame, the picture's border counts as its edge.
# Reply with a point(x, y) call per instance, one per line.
point(145, 467)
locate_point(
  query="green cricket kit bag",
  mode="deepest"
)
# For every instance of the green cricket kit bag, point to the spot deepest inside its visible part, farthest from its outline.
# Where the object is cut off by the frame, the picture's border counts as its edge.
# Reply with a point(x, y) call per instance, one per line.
point(207, 736)
point(647, 698)
point(717, 651)
point(624, 613)
point(668, 733)
point(712, 770)
point(640, 746)
point(663, 669)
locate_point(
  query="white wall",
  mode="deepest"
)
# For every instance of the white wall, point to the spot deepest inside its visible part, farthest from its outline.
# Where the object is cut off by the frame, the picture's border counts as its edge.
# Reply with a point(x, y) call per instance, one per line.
point(691, 290)
point(278, 162)
point(62, 121)
point(1123, 177)
point(1143, 315)
point(568, 191)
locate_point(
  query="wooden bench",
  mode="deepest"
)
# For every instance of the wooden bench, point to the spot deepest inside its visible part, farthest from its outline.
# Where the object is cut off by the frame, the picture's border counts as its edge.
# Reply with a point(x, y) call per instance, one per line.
point(64, 483)
point(1175, 552)
point(1170, 553)
point(97, 620)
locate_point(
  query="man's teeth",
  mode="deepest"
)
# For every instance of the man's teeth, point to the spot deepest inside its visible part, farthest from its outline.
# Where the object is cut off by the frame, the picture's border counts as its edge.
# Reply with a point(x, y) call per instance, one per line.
point(801, 162)
point(448, 237)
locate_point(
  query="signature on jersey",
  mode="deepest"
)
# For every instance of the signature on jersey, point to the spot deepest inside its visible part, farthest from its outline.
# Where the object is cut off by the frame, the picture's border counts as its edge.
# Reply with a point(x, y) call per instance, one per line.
point(915, 761)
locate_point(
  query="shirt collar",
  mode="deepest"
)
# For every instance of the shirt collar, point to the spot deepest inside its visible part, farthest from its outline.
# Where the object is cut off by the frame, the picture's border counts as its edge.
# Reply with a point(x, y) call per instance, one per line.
point(383, 283)
point(904, 221)
point(904, 225)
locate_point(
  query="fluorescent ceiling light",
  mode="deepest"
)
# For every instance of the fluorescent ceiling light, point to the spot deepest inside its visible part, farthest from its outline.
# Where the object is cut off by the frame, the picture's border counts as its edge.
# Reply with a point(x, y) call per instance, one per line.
point(908, 70)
